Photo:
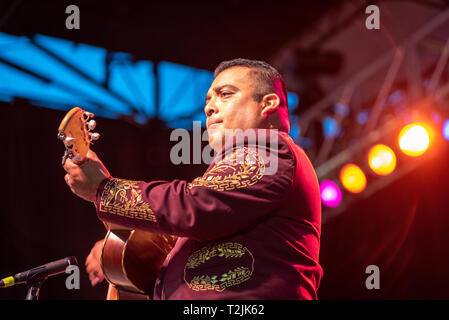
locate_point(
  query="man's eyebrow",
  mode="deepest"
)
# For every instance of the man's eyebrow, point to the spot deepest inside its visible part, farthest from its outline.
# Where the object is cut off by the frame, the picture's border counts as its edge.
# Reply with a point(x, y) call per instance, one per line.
point(230, 86)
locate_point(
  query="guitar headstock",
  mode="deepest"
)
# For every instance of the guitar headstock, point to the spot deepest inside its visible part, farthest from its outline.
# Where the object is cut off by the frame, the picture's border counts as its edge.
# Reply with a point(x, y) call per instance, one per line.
point(75, 132)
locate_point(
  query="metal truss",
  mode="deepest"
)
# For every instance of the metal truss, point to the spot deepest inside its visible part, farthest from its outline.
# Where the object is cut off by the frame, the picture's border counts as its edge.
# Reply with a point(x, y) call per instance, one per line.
point(403, 68)
point(58, 59)
point(134, 110)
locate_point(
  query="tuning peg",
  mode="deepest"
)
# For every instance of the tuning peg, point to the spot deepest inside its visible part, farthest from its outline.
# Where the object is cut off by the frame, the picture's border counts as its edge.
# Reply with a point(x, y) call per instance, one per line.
point(94, 136)
point(88, 114)
point(61, 136)
point(91, 124)
point(69, 139)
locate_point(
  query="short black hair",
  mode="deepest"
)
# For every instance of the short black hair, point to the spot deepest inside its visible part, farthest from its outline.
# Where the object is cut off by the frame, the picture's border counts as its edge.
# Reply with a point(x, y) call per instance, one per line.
point(267, 77)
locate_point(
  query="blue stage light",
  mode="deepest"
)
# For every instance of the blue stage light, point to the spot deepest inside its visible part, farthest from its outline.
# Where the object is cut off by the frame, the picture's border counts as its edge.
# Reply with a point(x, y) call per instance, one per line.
point(446, 129)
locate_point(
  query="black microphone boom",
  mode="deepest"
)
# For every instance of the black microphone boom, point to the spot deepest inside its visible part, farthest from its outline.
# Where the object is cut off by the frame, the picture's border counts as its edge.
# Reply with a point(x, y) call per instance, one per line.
point(39, 273)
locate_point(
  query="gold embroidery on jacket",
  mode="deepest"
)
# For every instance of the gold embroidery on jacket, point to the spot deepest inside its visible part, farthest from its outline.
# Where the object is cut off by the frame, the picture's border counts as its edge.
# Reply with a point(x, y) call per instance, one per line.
point(238, 269)
point(124, 198)
point(239, 169)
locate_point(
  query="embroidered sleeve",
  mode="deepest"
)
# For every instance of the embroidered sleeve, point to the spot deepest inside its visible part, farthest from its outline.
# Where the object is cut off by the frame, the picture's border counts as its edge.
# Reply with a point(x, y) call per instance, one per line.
point(124, 198)
point(233, 193)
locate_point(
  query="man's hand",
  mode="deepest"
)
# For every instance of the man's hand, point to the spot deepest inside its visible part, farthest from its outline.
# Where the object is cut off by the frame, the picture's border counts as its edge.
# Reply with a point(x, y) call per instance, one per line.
point(84, 179)
point(93, 266)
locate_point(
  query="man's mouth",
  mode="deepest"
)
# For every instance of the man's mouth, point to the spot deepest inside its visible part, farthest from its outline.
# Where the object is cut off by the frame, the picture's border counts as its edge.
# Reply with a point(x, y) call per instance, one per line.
point(213, 124)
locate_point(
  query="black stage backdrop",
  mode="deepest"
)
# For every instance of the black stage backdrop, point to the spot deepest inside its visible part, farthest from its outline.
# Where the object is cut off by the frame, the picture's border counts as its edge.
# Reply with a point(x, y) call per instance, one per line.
point(403, 228)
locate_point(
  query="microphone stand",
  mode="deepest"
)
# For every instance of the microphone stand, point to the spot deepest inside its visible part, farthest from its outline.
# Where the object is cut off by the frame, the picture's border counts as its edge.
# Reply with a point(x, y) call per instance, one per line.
point(34, 287)
point(34, 278)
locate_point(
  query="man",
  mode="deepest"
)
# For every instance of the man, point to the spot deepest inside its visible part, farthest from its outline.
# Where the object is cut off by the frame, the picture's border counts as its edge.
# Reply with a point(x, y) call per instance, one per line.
point(249, 228)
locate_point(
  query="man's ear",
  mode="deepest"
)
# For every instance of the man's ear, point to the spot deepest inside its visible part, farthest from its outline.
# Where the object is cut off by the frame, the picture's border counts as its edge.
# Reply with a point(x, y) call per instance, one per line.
point(270, 103)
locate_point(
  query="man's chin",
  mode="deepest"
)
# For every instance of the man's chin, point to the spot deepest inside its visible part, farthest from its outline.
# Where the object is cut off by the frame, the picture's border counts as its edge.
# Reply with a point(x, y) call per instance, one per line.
point(216, 142)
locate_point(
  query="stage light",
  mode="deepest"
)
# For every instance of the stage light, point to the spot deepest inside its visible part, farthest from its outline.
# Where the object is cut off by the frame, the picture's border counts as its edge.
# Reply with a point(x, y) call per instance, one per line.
point(352, 178)
point(330, 127)
point(362, 117)
point(446, 129)
point(330, 193)
point(381, 160)
point(341, 109)
point(414, 140)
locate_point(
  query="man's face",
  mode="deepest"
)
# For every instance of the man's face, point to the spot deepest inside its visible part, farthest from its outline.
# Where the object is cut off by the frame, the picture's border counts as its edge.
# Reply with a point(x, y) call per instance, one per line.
point(230, 105)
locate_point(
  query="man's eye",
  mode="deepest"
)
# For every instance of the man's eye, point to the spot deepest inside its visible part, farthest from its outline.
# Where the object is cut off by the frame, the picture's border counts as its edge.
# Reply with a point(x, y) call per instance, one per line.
point(225, 94)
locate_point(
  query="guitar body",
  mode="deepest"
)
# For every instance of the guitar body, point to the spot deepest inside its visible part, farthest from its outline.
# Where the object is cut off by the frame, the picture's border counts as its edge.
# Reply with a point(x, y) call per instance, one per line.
point(131, 261)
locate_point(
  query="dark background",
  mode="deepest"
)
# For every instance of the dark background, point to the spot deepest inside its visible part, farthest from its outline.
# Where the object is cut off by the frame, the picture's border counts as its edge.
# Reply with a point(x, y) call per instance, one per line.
point(402, 228)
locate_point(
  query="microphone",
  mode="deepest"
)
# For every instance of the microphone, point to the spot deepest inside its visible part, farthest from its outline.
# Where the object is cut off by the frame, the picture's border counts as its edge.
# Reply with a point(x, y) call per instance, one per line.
point(39, 273)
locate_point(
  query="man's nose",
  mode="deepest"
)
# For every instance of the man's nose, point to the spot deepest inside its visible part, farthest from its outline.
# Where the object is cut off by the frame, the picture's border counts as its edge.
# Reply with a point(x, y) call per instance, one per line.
point(210, 108)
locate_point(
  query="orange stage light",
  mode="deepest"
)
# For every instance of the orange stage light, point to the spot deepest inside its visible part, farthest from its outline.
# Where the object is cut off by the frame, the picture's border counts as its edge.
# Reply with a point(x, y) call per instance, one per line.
point(352, 178)
point(382, 159)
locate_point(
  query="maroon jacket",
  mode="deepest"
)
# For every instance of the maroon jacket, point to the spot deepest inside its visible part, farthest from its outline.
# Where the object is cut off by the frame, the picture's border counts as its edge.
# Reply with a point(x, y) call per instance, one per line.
point(243, 233)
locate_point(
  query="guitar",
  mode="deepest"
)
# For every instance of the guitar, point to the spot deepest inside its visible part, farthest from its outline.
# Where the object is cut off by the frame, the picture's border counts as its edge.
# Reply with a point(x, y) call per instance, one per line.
point(130, 259)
